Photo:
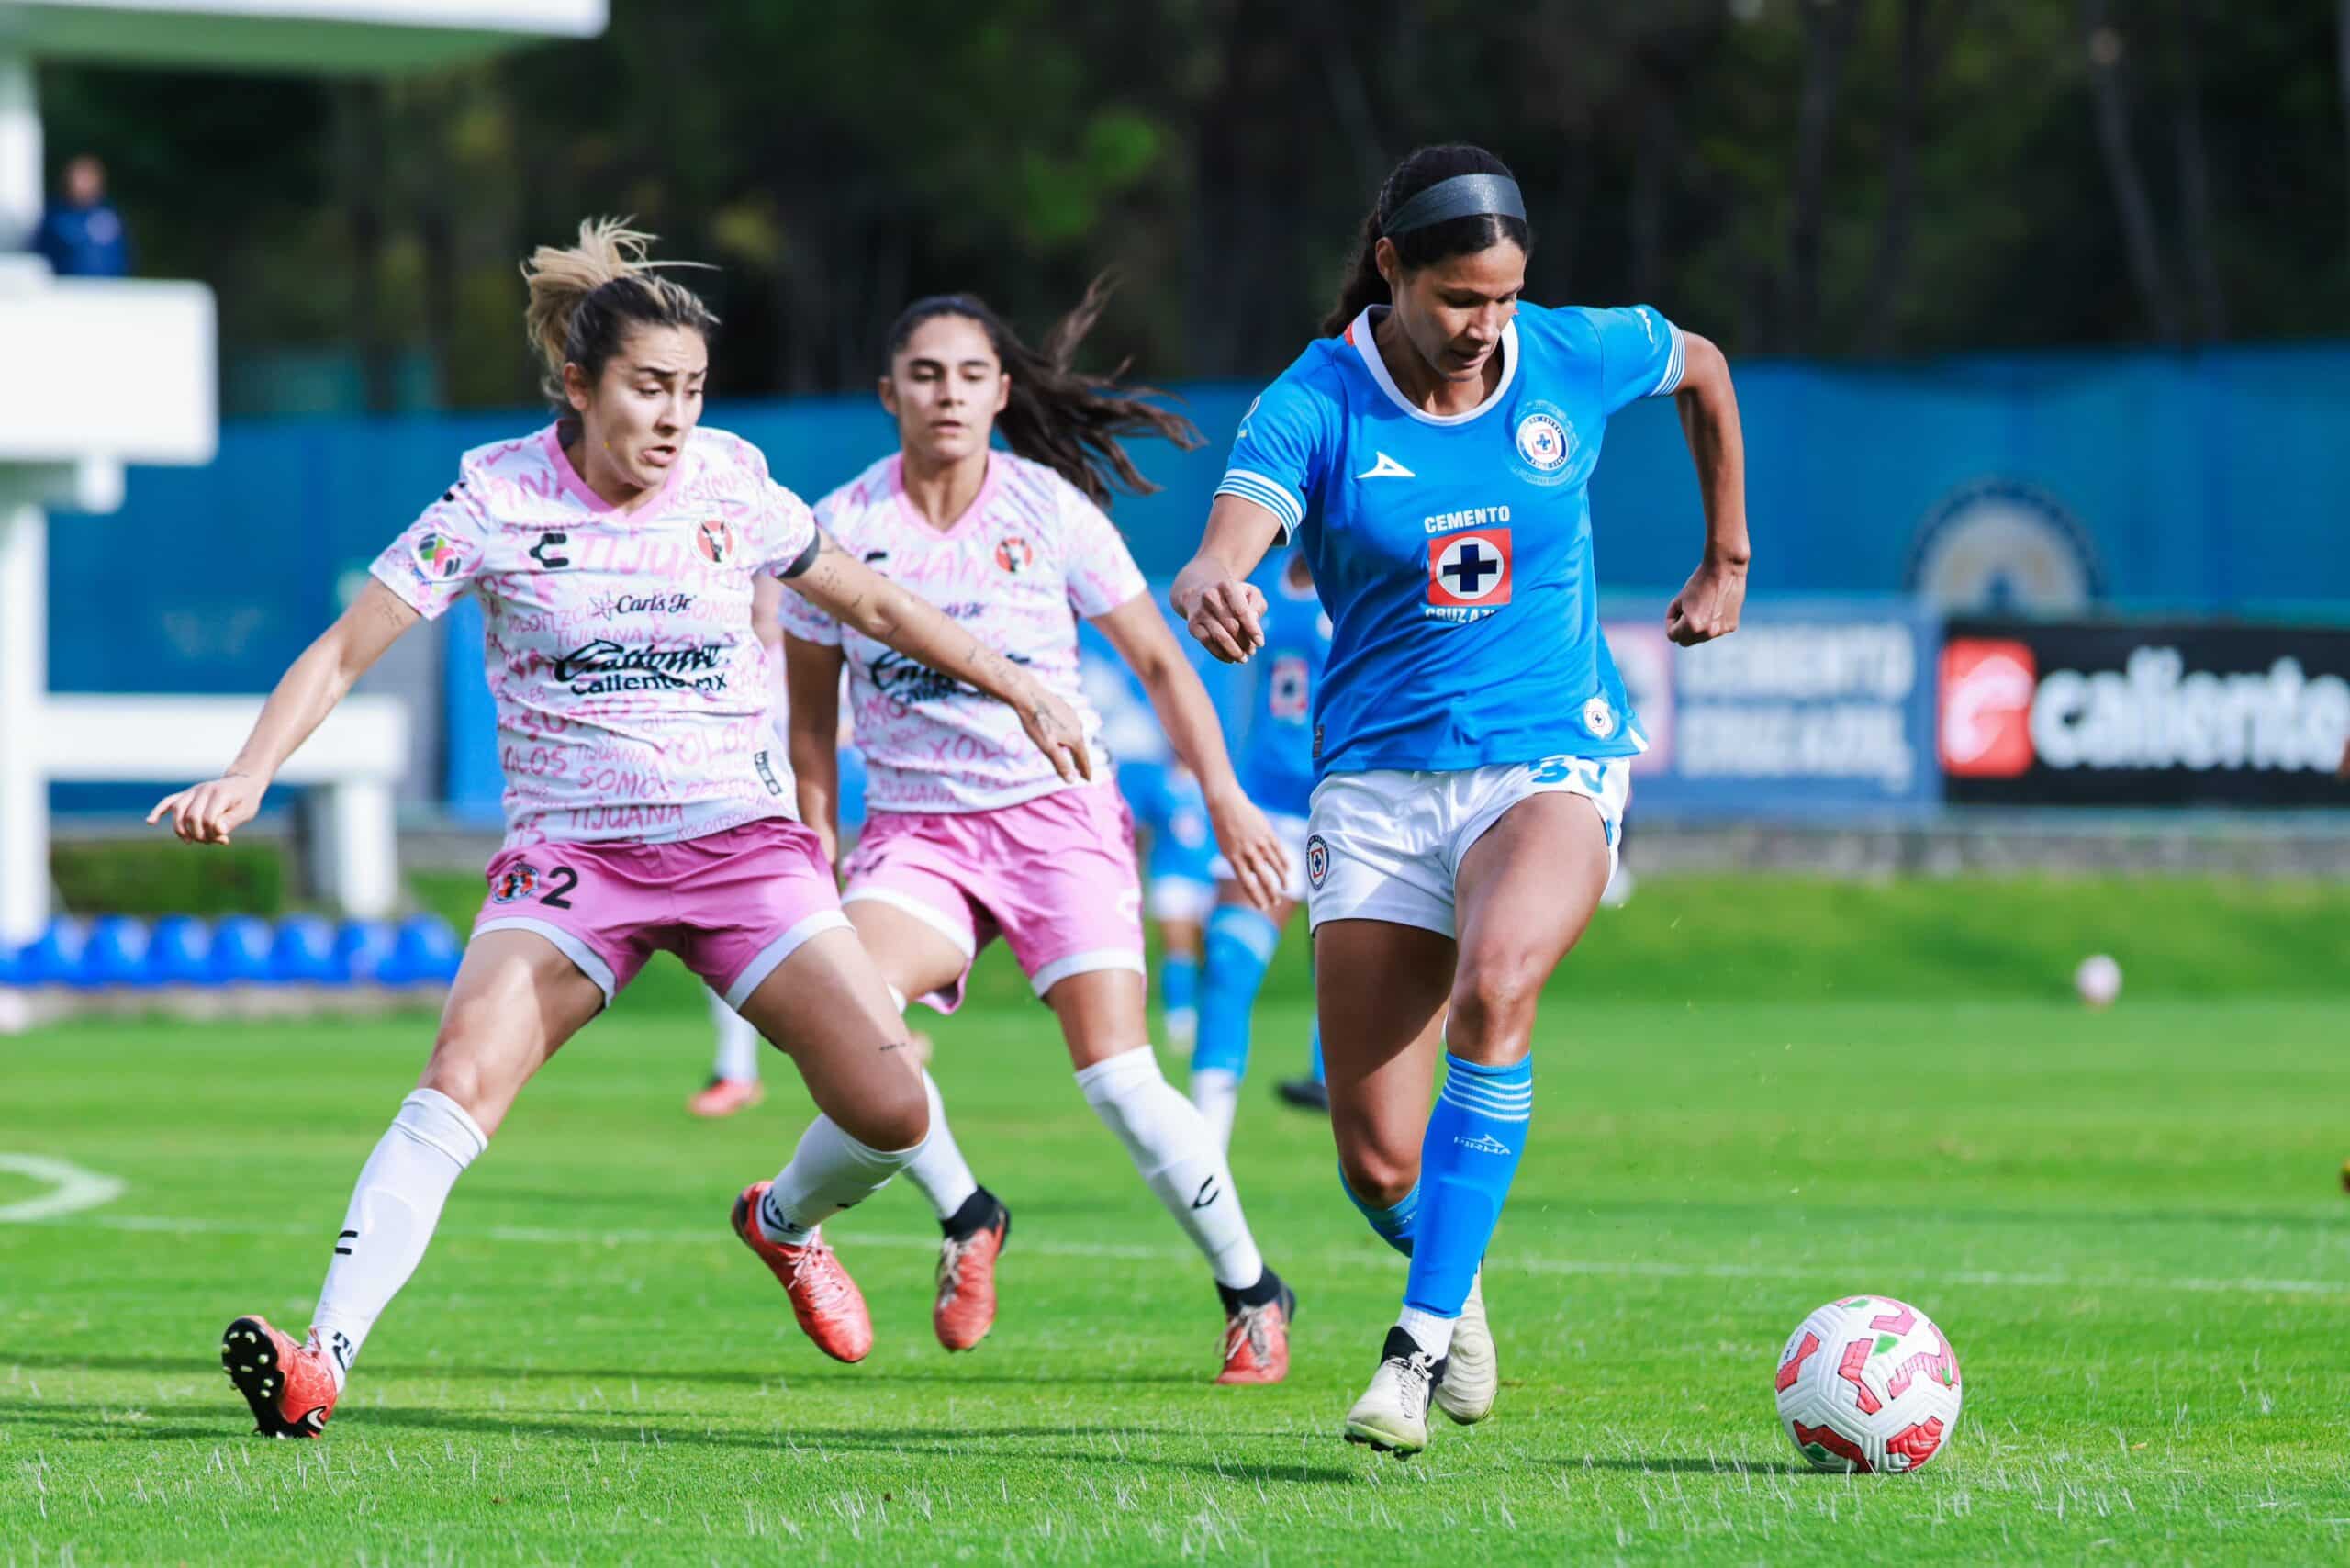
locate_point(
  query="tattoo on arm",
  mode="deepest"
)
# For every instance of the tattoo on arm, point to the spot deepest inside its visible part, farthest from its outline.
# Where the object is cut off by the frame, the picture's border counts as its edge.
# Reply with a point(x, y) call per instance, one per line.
point(829, 582)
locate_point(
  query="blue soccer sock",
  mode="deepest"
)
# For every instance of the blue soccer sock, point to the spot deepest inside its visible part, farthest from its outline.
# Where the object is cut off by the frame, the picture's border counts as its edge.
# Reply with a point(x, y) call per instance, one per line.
point(1319, 1076)
point(1476, 1137)
point(1178, 983)
point(1396, 1225)
point(1240, 944)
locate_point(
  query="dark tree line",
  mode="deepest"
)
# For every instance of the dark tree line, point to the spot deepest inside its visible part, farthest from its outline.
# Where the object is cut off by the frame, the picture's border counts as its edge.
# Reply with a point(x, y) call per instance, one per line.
point(1834, 177)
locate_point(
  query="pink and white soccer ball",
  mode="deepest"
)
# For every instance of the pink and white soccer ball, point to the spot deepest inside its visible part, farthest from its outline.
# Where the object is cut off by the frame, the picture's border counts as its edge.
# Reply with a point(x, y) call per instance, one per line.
point(1868, 1383)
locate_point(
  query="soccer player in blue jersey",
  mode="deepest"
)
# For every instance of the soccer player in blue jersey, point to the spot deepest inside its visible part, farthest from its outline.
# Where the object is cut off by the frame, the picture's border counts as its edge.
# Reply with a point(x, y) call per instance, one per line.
point(1276, 767)
point(1431, 454)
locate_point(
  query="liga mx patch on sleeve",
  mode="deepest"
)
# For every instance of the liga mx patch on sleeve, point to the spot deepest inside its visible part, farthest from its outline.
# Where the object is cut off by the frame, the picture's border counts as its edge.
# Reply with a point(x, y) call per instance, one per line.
point(1469, 573)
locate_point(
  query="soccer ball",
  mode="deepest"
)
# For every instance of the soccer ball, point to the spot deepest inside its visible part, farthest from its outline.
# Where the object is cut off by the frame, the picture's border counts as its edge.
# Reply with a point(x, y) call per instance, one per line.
point(1868, 1383)
point(2099, 980)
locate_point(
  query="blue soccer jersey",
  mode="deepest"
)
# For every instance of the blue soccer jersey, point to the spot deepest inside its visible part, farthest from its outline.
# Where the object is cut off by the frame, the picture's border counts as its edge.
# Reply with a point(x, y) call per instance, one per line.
point(1454, 552)
point(1277, 759)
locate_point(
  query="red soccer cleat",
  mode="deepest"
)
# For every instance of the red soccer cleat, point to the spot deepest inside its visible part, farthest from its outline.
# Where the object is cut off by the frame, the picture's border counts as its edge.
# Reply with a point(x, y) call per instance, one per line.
point(1256, 1339)
point(290, 1386)
point(725, 1096)
point(965, 1310)
point(830, 1307)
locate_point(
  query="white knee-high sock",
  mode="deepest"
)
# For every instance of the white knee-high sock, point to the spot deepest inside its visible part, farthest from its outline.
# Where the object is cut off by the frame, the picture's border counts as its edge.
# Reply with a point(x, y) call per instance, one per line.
point(940, 1170)
point(738, 1044)
point(829, 1171)
point(1177, 1153)
point(390, 1221)
point(1216, 1093)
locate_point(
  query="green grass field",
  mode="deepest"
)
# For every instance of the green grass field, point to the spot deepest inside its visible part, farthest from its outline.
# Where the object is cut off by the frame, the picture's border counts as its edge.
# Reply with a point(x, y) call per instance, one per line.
point(1751, 1097)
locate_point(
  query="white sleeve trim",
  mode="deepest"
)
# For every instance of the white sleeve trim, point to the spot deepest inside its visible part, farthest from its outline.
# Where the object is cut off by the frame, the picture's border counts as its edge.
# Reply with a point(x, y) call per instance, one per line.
point(1288, 509)
point(1676, 362)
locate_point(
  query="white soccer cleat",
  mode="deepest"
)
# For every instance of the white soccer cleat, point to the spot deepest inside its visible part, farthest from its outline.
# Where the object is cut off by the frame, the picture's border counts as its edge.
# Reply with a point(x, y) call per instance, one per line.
point(1471, 1371)
point(1392, 1414)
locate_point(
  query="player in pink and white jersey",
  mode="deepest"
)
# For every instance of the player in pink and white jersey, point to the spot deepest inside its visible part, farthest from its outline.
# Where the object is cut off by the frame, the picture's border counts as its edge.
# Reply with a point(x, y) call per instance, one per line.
point(647, 808)
point(733, 1082)
point(966, 837)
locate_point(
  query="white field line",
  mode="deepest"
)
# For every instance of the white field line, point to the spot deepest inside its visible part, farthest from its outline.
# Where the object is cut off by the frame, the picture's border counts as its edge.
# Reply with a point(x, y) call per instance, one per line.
point(1343, 1257)
point(72, 1188)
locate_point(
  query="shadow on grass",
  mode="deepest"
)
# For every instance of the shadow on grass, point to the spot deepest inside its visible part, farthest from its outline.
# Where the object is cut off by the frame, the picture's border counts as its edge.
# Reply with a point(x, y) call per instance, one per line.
point(824, 1375)
point(669, 1429)
point(1694, 1466)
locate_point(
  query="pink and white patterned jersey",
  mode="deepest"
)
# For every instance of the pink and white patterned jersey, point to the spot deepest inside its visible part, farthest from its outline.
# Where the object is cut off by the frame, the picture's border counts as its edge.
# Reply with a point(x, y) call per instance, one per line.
point(1028, 558)
point(633, 699)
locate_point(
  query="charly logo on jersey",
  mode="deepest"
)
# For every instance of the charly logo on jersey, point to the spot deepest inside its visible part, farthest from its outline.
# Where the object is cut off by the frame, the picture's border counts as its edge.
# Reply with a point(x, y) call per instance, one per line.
point(715, 539)
point(549, 551)
point(1317, 861)
point(1014, 554)
point(1599, 717)
point(440, 558)
point(518, 880)
point(1468, 575)
point(1544, 442)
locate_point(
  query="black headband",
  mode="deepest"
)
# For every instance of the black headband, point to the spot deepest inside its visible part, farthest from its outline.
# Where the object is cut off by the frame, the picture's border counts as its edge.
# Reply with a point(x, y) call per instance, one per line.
point(1463, 195)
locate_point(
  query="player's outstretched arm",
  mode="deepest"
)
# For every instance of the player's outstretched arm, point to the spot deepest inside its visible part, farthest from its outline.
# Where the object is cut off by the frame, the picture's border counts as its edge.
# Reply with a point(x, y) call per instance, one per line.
point(812, 685)
point(312, 685)
point(1144, 641)
point(1708, 605)
point(853, 593)
point(1213, 594)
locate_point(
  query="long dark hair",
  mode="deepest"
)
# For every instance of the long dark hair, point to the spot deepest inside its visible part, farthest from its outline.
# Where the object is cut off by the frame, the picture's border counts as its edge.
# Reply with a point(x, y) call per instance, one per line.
point(1417, 247)
point(586, 298)
point(1058, 415)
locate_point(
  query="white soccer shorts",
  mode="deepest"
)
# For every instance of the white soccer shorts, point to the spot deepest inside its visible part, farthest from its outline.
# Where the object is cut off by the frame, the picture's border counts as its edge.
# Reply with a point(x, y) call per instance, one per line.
point(1292, 831)
point(1387, 845)
point(1184, 898)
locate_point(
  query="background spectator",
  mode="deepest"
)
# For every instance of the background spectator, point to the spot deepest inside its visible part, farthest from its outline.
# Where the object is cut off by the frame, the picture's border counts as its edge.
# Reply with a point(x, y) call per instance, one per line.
point(83, 235)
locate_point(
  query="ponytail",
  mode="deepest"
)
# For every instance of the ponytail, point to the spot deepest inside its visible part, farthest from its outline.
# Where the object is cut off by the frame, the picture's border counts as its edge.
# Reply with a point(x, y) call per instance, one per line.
point(586, 297)
point(1417, 248)
point(1073, 423)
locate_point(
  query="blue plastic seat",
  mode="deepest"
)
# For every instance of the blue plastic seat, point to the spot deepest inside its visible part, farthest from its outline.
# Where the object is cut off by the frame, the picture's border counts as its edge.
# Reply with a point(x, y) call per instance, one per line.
point(424, 951)
point(116, 954)
point(179, 951)
point(360, 948)
point(55, 956)
point(241, 951)
point(302, 953)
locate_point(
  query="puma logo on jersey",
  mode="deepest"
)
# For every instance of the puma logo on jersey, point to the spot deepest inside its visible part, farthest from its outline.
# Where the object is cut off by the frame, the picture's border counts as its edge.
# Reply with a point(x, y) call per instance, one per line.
point(1386, 468)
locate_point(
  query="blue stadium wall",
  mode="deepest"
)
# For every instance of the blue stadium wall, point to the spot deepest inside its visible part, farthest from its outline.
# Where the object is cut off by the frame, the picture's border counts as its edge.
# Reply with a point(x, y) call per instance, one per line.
point(2205, 484)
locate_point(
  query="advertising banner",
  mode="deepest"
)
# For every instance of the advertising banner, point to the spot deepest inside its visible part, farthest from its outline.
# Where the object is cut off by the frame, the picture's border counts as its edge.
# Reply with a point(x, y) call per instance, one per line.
point(2143, 714)
point(1810, 709)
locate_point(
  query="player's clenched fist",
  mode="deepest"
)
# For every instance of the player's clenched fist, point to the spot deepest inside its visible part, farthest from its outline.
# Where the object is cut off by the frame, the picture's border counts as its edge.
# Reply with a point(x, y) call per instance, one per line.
point(1707, 606)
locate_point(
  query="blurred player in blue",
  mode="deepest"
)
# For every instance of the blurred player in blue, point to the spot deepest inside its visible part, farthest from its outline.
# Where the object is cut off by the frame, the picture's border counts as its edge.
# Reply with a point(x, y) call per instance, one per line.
point(1470, 734)
point(1179, 879)
point(1179, 875)
point(1276, 760)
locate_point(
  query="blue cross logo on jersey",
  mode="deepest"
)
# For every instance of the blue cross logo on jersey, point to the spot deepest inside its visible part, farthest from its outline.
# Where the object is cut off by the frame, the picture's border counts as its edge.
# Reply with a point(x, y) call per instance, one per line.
point(1465, 569)
point(1469, 570)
